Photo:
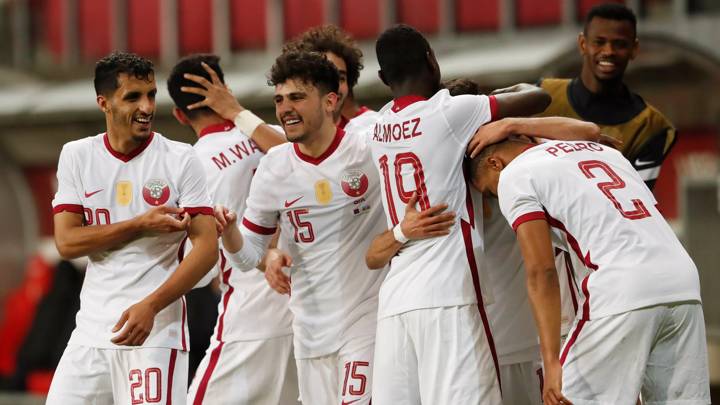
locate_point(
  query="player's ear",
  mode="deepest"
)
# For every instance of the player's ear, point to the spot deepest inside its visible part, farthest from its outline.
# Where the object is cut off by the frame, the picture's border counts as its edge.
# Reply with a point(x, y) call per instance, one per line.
point(635, 49)
point(581, 43)
point(495, 163)
point(381, 76)
point(180, 116)
point(102, 103)
point(331, 100)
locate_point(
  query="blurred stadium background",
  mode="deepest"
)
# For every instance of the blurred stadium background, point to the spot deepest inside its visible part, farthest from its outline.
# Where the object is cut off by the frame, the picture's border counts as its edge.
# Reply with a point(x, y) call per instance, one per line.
point(48, 49)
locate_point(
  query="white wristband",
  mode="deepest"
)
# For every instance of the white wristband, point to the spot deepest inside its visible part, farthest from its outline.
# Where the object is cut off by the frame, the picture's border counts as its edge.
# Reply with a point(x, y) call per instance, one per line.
point(399, 235)
point(247, 122)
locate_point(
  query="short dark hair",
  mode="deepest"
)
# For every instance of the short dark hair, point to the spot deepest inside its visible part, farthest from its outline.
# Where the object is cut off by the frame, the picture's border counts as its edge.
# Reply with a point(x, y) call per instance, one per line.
point(330, 38)
point(458, 87)
point(402, 53)
point(108, 68)
point(611, 11)
point(309, 67)
point(192, 64)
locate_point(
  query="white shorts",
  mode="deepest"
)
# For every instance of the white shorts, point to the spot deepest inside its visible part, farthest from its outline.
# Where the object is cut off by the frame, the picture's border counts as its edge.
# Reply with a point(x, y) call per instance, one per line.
point(660, 351)
point(89, 376)
point(255, 372)
point(344, 377)
point(522, 383)
point(435, 356)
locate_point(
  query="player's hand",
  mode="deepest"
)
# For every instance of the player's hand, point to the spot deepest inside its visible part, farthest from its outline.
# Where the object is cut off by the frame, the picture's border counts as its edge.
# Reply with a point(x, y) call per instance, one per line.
point(224, 218)
point(552, 385)
point(138, 321)
point(275, 260)
point(164, 219)
point(487, 135)
point(609, 141)
point(217, 96)
point(428, 223)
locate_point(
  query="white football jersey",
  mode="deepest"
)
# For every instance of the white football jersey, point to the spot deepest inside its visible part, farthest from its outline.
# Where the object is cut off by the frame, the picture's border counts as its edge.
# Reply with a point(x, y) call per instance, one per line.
point(592, 194)
point(249, 309)
point(510, 315)
point(329, 211)
point(109, 187)
point(361, 122)
point(418, 146)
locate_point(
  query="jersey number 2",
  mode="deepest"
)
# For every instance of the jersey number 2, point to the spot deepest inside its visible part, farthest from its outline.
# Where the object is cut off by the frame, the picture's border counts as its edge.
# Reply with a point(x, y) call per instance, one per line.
point(587, 166)
point(404, 159)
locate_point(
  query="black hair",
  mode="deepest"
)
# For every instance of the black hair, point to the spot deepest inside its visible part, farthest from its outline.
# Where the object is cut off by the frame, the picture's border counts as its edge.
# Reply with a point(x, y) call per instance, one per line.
point(192, 64)
point(309, 67)
point(611, 11)
point(330, 38)
point(108, 68)
point(402, 53)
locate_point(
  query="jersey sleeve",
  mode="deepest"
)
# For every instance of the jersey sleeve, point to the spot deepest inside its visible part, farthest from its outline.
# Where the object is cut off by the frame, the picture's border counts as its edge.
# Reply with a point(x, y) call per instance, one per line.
point(259, 221)
point(649, 158)
point(518, 199)
point(194, 196)
point(466, 113)
point(67, 197)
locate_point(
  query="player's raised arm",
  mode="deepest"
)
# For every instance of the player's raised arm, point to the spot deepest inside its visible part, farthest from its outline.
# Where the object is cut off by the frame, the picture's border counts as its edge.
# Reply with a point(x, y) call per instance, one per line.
point(429, 223)
point(557, 128)
point(219, 99)
point(136, 322)
point(520, 100)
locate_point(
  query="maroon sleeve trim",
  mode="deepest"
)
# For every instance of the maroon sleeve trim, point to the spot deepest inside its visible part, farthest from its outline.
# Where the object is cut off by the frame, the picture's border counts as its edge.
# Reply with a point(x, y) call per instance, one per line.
point(74, 208)
point(257, 228)
point(199, 210)
point(530, 216)
point(493, 108)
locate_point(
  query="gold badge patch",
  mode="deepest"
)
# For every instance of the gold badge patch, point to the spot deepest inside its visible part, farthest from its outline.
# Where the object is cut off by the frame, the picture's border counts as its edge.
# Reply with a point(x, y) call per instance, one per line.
point(323, 193)
point(123, 193)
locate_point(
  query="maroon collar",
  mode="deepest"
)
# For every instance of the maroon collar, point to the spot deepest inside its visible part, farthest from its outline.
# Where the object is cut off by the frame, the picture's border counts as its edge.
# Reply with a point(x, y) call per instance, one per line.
point(215, 128)
point(127, 157)
point(404, 101)
point(344, 121)
point(362, 110)
point(339, 133)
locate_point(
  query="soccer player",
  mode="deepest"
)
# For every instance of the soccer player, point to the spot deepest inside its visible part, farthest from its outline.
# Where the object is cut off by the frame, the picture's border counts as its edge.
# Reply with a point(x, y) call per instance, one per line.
point(433, 340)
point(125, 199)
point(607, 44)
point(251, 347)
point(340, 49)
point(641, 326)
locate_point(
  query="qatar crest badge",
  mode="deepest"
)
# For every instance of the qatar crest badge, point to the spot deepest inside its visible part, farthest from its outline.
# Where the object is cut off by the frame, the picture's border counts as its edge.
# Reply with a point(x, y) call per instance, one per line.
point(354, 183)
point(156, 192)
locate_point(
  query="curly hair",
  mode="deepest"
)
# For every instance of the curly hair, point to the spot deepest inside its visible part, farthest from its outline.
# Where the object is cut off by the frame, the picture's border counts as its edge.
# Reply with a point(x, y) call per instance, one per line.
point(108, 68)
point(330, 38)
point(457, 87)
point(191, 64)
point(309, 67)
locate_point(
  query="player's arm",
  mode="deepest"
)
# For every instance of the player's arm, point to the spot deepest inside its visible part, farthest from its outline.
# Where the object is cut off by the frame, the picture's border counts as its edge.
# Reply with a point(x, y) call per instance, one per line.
point(557, 128)
point(520, 100)
point(219, 99)
point(136, 322)
point(544, 292)
point(73, 239)
point(429, 223)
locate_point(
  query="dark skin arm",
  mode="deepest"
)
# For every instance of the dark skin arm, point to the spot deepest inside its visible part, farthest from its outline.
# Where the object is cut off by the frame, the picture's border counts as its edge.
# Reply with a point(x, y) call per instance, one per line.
point(219, 99)
point(75, 240)
point(137, 321)
point(521, 100)
point(430, 223)
point(544, 292)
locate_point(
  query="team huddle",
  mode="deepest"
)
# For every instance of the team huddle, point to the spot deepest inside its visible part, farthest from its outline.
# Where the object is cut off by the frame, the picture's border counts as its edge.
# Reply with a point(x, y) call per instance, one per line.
point(449, 248)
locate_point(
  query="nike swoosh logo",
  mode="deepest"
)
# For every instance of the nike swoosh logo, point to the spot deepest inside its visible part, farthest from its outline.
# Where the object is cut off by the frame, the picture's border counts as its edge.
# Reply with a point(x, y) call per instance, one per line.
point(288, 204)
point(639, 162)
point(349, 402)
point(88, 195)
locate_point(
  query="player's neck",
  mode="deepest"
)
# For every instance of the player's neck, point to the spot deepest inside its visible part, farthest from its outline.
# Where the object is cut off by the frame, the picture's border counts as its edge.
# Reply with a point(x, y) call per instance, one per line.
point(316, 144)
point(350, 108)
point(203, 121)
point(595, 86)
point(425, 88)
point(122, 141)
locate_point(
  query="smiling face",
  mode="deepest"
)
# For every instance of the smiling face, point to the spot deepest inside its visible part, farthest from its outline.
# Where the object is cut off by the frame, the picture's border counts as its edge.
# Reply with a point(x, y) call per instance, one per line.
point(130, 109)
point(607, 46)
point(301, 109)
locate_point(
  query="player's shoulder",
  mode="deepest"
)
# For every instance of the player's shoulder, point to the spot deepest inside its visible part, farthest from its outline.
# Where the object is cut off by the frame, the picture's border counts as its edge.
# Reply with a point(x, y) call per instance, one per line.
point(83, 144)
point(276, 163)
